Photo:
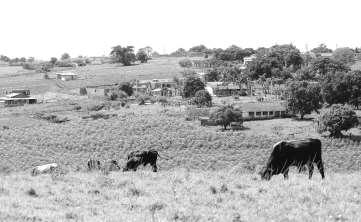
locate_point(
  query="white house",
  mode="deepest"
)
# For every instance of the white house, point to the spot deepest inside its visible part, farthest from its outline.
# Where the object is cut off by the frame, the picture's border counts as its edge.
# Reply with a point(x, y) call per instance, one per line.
point(66, 76)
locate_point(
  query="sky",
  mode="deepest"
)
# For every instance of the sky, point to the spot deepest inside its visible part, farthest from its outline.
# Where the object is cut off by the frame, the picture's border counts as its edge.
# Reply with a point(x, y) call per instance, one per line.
point(48, 28)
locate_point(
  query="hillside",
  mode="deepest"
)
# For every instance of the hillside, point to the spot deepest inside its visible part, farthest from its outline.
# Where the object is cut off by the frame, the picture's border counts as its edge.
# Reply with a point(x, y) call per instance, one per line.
point(16, 77)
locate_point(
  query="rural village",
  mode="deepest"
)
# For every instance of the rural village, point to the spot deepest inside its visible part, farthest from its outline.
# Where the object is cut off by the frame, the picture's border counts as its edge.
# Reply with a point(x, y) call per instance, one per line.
point(197, 133)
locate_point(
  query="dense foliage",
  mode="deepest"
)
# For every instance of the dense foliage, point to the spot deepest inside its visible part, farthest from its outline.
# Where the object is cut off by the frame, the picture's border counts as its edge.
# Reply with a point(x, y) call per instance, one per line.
point(303, 97)
point(124, 55)
point(202, 98)
point(191, 86)
point(337, 118)
point(225, 115)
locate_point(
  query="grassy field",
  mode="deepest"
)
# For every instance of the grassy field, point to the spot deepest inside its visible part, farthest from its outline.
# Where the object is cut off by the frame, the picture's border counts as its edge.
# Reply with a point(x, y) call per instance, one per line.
point(16, 77)
point(181, 143)
point(179, 195)
point(205, 174)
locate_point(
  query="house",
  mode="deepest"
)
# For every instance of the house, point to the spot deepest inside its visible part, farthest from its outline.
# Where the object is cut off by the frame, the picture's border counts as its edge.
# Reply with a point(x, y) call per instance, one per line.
point(100, 91)
point(225, 89)
point(66, 76)
point(258, 111)
point(157, 87)
point(17, 98)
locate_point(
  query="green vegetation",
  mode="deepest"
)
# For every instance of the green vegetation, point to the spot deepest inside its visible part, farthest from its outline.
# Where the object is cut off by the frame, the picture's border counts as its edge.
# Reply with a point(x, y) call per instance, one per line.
point(336, 119)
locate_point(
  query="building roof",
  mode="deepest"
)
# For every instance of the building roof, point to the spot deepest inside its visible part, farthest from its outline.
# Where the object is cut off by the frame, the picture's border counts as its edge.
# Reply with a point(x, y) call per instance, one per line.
point(8, 99)
point(12, 95)
point(66, 74)
point(105, 86)
point(259, 107)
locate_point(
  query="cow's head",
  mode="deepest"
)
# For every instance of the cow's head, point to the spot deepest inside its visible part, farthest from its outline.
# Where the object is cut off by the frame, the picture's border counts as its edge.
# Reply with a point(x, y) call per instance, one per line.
point(272, 167)
point(266, 173)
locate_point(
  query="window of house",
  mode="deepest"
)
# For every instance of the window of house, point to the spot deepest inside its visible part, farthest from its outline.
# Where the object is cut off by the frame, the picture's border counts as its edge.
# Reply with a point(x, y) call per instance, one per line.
point(258, 113)
point(271, 113)
point(251, 113)
point(283, 113)
point(265, 113)
point(277, 113)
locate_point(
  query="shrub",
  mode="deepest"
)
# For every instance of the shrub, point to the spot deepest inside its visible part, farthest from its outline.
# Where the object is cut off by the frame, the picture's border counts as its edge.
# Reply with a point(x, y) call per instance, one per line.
point(127, 88)
point(185, 63)
point(225, 115)
point(202, 98)
point(118, 95)
point(191, 86)
point(337, 118)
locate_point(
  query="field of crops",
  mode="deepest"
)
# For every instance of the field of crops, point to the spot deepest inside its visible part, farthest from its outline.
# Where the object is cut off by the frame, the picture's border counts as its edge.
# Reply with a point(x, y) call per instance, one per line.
point(29, 141)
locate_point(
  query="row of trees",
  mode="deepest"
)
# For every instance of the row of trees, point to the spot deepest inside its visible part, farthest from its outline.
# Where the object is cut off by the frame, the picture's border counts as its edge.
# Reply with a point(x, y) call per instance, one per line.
point(127, 56)
point(338, 88)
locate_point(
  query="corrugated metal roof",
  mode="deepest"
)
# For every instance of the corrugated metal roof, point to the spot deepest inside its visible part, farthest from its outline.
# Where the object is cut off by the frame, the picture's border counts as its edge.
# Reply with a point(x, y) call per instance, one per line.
point(259, 107)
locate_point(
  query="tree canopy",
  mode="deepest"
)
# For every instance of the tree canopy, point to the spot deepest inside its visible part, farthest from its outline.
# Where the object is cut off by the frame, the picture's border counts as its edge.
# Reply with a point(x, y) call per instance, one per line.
point(124, 55)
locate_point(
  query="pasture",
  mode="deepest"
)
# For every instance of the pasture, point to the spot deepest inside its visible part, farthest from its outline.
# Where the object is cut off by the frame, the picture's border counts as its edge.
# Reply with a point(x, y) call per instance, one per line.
point(16, 77)
point(205, 174)
point(179, 195)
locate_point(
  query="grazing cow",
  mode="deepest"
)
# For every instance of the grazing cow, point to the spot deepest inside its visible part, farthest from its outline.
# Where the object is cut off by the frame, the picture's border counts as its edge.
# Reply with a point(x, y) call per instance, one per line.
point(93, 164)
point(47, 168)
point(137, 158)
point(294, 153)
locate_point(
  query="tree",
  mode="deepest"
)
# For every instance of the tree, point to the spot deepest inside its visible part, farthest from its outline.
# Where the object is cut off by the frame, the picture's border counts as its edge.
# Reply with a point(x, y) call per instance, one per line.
point(179, 53)
point(303, 97)
point(124, 55)
point(202, 98)
point(4, 58)
point(191, 86)
point(127, 88)
point(65, 56)
point(142, 56)
point(353, 80)
point(225, 115)
point(232, 53)
point(148, 50)
point(344, 55)
point(185, 63)
point(322, 66)
point(342, 88)
point(53, 60)
point(322, 48)
point(337, 118)
point(305, 73)
point(198, 48)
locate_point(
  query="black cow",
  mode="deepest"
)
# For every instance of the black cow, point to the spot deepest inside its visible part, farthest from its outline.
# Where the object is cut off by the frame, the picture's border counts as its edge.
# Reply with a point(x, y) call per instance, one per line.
point(294, 153)
point(137, 158)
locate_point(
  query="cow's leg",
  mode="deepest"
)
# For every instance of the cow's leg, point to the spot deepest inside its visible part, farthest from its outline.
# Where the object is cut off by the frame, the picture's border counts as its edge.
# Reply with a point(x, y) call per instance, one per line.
point(285, 174)
point(310, 170)
point(320, 168)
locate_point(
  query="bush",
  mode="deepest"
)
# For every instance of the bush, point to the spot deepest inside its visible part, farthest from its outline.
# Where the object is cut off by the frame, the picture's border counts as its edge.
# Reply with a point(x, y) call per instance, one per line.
point(83, 91)
point(225, 115)
point(29, 66)
point(64, 64)
point(193, 113)
point(185, 63)
point(202, 98)
point(191, 86)
point(337, 118)
point(127, 88)
point(118, 95)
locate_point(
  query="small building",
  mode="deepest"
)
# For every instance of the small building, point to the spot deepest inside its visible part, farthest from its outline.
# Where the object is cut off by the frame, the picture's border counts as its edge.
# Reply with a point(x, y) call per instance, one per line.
point(258, 111)
point(17, 99)
point(163, 83)
point(100, 91)
point(223, 89)
point(66, 76)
